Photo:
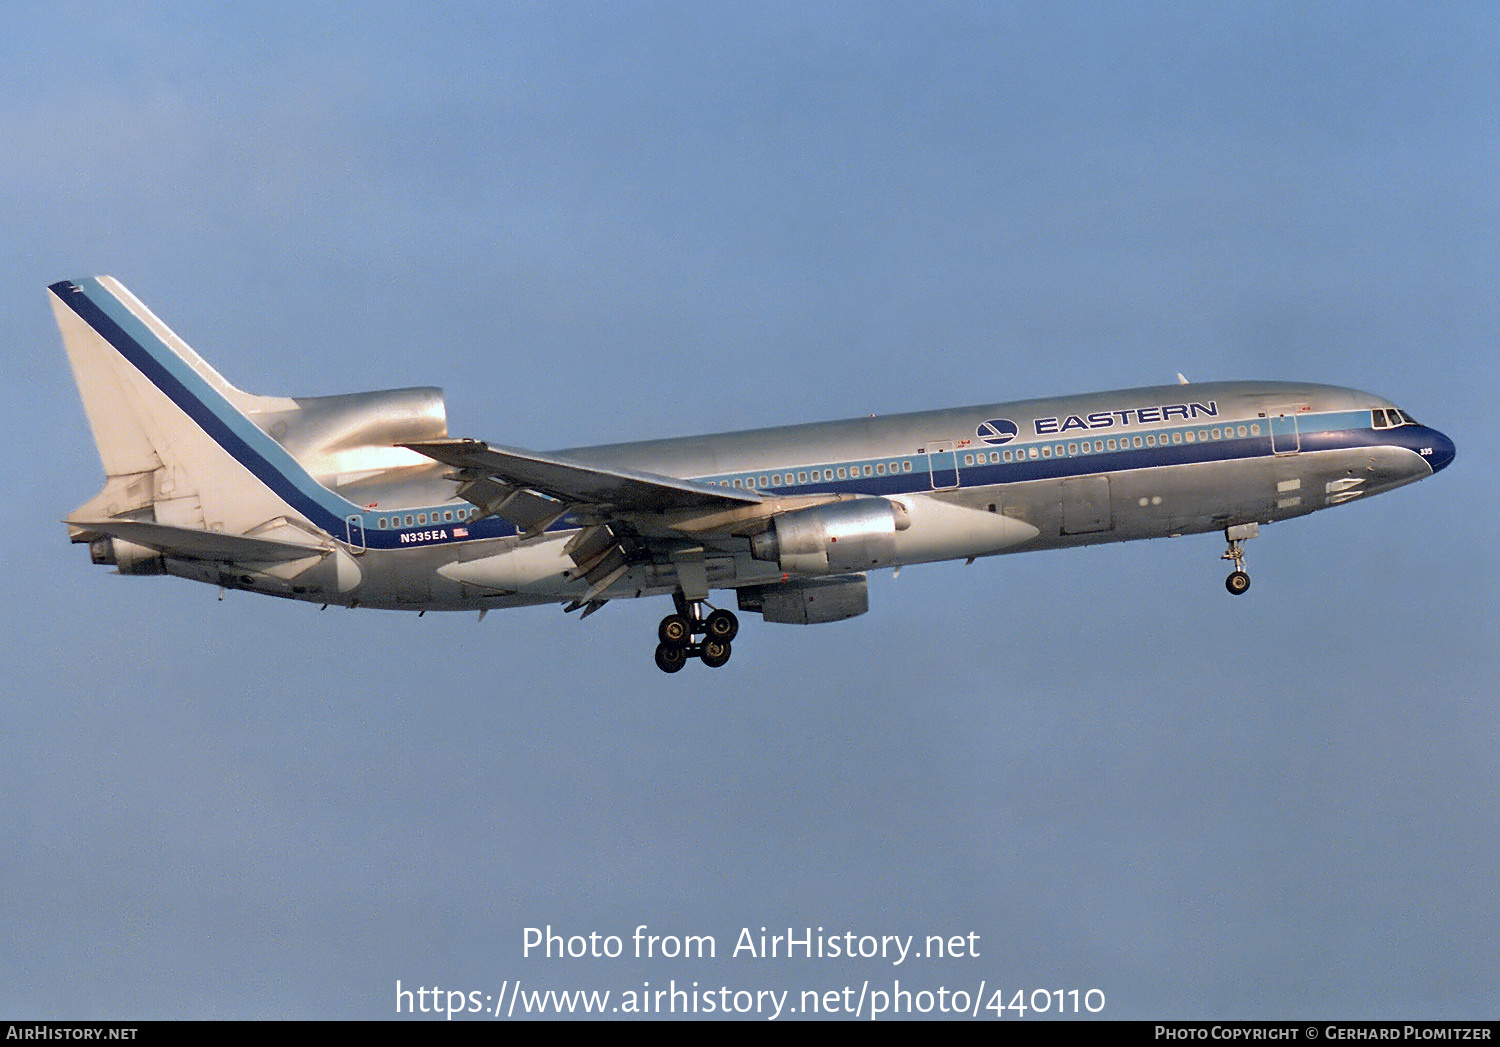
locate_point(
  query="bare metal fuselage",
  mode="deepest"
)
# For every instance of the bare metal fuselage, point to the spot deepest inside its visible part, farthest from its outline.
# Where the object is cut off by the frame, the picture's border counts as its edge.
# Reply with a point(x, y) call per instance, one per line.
point(959, 508)
point(325, 499)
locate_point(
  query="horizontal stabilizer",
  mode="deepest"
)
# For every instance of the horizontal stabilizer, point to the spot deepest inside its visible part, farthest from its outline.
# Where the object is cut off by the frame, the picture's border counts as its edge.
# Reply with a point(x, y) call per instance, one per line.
point(184, 543)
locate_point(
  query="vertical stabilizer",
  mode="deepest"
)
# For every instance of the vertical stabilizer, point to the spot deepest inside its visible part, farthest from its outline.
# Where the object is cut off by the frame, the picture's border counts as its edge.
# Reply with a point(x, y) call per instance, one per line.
point(176, 440)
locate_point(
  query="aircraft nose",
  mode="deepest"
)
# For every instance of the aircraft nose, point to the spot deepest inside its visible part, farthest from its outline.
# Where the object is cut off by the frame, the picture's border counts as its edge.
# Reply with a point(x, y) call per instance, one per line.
point(1443, 451)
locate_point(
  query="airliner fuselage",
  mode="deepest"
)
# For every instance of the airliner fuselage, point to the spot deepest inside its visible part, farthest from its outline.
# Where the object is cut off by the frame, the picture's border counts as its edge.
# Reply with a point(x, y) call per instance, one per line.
point(363, 500)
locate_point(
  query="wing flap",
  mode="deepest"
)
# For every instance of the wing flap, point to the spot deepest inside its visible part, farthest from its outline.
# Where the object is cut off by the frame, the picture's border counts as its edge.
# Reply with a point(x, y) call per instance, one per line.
point(529, 510)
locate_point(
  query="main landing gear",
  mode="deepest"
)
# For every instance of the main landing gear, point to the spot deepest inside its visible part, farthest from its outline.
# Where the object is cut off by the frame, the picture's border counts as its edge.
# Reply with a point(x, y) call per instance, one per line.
point(676, 633)
point(1238, 583)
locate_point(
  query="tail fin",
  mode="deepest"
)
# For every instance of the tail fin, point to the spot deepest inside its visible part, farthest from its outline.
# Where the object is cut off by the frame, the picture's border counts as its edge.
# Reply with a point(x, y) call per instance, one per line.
point(176, 439)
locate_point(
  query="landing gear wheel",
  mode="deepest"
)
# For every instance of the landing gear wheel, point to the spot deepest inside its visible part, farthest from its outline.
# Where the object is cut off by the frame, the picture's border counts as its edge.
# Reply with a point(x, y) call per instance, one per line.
point(675, 630)
point(678, 634)
point(1237, 535)
point(722, 626)
point(670, 658)
point(714, 653)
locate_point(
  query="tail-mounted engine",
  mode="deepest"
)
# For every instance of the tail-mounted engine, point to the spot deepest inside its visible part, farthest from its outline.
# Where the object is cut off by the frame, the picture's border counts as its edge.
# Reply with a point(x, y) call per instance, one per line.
point(127, 557)
point(838, 538)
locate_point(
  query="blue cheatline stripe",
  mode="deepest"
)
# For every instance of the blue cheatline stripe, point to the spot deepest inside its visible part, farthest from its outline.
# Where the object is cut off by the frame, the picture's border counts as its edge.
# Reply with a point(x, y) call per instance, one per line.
point(274, 466)
point(267, 460)
point(241, 438)
point(1342, 430)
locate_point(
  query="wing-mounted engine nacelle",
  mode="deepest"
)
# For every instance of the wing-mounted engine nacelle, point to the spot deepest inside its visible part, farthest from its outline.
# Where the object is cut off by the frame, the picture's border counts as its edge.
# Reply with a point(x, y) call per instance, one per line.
point(126, 557)
point(836, 538)
point(809, 601)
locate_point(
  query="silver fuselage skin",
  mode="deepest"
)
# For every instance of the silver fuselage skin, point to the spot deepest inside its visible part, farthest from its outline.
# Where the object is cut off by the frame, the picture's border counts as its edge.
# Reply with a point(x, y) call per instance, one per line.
point(328, 499)
point(1240, 452)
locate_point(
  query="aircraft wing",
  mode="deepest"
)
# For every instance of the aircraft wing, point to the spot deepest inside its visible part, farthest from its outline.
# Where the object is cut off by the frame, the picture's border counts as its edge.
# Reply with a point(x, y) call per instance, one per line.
point(616, 507)
point(606, 491)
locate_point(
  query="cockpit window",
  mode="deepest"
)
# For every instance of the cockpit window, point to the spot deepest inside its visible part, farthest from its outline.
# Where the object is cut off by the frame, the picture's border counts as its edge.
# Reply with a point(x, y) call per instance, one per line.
point(1389, 417)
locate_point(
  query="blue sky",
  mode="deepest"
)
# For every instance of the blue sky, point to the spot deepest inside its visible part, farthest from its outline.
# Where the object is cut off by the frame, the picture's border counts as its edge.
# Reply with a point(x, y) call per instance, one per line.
point(593, 223)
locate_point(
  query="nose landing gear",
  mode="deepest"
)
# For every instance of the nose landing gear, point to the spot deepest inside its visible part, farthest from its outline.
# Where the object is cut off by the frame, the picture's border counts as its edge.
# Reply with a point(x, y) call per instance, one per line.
point(1238, 583)
point(676, 633)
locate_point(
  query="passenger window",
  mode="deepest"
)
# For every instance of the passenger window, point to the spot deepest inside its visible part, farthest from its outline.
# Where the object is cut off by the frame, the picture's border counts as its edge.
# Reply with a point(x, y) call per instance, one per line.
point(906, 466)
point(842, 472)
point(384, 523)
point(1072, 448)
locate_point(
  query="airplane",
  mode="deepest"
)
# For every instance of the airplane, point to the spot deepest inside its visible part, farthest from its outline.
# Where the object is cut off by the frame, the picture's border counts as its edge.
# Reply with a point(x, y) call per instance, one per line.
point(364, 500)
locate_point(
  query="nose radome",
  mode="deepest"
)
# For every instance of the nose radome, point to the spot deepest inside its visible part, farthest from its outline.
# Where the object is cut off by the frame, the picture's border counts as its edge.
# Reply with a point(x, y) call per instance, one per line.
point(1443, 451)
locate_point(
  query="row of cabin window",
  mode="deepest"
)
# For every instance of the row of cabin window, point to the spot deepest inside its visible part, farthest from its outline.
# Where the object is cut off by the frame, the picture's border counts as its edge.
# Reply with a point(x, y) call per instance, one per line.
point(996, 457)
point(803, 476)
point(422, 519)
point(904, 466)
point(1122, 444)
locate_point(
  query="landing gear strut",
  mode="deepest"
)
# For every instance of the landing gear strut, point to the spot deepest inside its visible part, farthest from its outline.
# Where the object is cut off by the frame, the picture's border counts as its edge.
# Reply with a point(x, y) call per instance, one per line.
point(1238, 583)
point(676, 634)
